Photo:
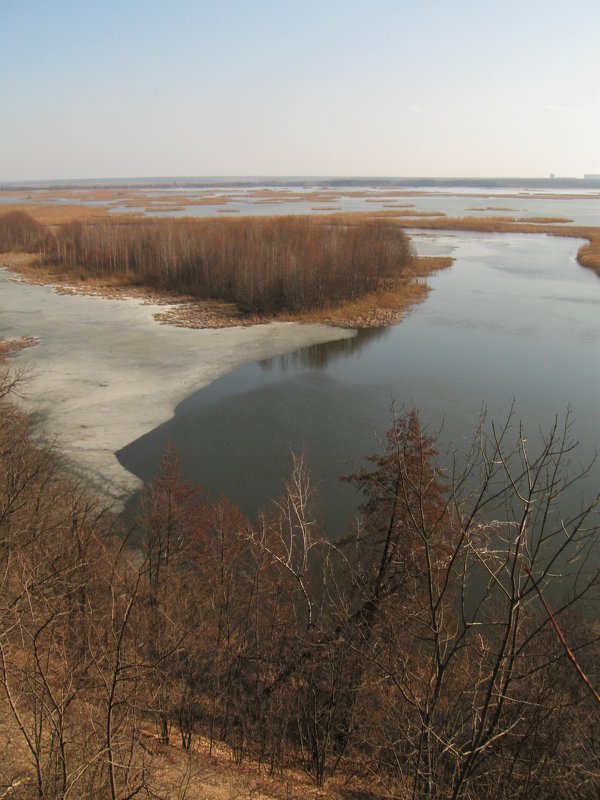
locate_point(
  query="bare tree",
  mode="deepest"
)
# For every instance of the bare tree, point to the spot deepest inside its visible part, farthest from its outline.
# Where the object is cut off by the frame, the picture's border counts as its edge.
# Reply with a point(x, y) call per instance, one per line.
point(473, 669)
point(447, 648)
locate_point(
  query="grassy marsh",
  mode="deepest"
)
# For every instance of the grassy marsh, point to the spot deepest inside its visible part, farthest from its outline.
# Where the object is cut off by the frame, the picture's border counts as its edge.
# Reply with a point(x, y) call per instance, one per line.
point(399, 216)
point(265, 266)
point(9, 346)
point(588, 254)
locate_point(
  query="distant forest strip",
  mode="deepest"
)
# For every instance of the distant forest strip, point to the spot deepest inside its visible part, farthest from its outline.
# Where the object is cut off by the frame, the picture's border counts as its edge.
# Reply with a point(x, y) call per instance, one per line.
point(261, 265)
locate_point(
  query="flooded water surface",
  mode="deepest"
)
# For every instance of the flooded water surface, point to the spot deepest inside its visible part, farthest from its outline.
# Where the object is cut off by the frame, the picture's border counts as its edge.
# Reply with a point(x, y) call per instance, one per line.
point(514, 322)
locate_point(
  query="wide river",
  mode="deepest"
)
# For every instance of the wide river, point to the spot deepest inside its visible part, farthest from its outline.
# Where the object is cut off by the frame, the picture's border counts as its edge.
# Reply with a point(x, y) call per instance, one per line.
point(515, 321)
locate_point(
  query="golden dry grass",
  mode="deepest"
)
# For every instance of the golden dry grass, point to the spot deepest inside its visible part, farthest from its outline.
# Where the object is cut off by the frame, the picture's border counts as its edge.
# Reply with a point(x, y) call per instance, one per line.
point(114, 287)
point(206, 772)
point(269, 193)
point(9, 346)
point(157, 209)
point(424, 265)
point(387, 306)
point(490, 208)
point(551, 196)
point(288, 196)
point(588, 254)
point(189, 200)
point(44, 203)
point(58, 214)
point(384, 307)
point(147, 197)
point(530, 220)
point(545, 220)
point(404, 212)
point(216, 776)
point(327, 196)
point(523, 195)
point(375, 310)
point(388, 193)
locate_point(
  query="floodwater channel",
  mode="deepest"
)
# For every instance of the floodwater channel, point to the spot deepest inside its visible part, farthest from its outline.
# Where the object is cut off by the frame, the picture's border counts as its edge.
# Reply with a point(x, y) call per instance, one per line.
point(515, 322)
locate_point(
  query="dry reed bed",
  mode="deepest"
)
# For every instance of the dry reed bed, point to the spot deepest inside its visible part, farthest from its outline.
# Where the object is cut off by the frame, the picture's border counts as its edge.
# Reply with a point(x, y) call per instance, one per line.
point(588, 254)
point(261, 265)
point(387, 306)
point(287, 194)
point(184, 200)
point(57, 214)
point(402, 212)
point(545, 220)
point(369, 309)
point(490, 208)
point(158, 209)
point(10, 346)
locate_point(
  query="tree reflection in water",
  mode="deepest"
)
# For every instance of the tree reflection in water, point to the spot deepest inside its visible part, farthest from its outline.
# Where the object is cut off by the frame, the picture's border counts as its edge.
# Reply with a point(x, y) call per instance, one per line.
point(319, 356)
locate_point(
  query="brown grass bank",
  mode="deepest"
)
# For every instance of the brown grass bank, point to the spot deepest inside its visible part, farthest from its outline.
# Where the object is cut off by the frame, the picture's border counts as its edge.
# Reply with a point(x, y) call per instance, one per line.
point(9, 346)
point(165, 258)
point(588, 254)
point(387, 306)
point(58, 214)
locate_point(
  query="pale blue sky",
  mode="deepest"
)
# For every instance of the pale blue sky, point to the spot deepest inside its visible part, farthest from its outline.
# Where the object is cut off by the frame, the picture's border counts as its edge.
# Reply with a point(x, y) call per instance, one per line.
point(133, 88)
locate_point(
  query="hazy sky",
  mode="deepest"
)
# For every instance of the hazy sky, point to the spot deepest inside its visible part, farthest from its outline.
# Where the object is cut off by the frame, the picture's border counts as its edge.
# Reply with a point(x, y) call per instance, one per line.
point(124, 88)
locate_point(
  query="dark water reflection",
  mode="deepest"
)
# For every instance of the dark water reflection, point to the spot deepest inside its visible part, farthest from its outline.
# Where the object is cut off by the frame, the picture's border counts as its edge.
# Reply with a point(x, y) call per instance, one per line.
point(515, 320)
point(319, 356)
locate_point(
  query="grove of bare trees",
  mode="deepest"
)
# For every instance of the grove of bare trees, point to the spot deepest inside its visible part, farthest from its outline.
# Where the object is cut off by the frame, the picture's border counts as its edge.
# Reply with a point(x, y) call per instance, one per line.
point(447, 647)
point(261, 265)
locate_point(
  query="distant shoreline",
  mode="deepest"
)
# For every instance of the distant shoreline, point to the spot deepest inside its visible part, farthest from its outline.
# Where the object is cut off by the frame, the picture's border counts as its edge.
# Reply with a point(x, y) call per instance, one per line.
point(591, 182)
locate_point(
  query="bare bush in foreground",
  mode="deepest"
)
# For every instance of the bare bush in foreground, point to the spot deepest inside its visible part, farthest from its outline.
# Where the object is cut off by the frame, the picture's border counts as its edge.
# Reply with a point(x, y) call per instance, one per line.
point(447, 648)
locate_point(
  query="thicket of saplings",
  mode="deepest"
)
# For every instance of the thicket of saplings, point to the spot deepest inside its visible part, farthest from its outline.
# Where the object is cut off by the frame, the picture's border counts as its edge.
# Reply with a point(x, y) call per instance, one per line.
point(430, 654)
point(19, 231)
point(261, 265)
